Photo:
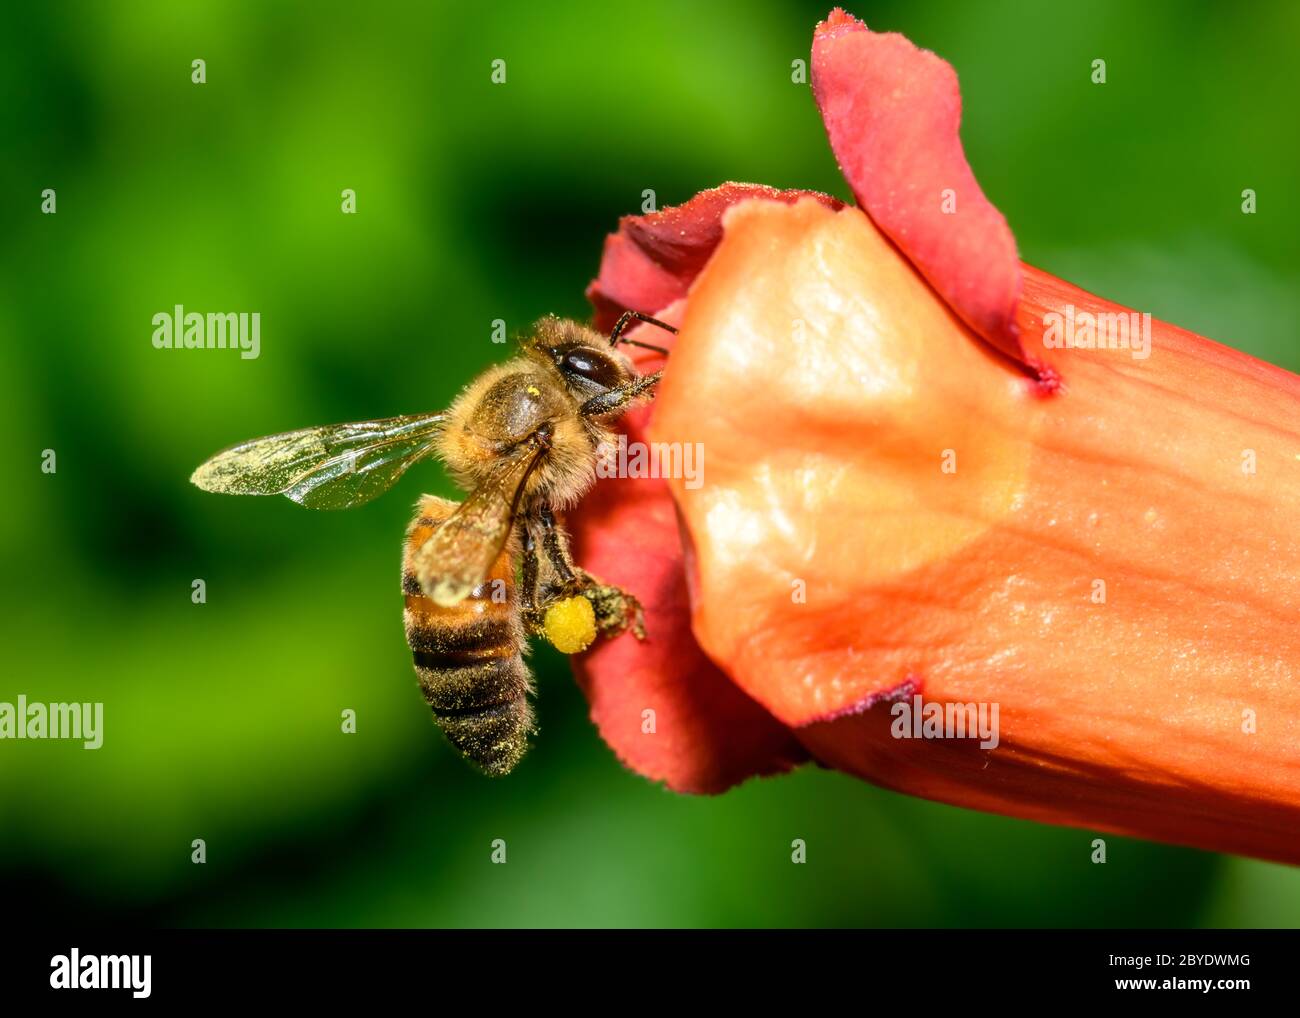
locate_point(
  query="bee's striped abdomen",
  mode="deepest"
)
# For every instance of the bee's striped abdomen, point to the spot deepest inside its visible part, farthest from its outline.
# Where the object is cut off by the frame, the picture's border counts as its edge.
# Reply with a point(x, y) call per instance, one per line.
point(469, 657)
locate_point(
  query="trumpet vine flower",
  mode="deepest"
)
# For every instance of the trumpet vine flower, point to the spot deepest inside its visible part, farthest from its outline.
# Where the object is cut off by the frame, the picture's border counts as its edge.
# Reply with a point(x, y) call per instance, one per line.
point(941, 486)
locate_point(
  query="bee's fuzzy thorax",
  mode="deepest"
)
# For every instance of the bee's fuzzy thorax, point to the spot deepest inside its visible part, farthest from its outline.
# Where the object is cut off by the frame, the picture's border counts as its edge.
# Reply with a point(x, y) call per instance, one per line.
point(507, 403)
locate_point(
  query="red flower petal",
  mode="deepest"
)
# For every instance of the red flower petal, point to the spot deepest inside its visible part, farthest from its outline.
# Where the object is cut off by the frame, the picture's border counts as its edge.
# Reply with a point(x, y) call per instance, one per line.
point(652, 259)
point(708, 734)
point(892, 113)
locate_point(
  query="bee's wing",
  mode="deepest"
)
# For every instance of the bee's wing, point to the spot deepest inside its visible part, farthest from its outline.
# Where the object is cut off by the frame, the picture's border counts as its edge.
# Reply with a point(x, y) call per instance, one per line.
point(458, 556)
point(330, 467)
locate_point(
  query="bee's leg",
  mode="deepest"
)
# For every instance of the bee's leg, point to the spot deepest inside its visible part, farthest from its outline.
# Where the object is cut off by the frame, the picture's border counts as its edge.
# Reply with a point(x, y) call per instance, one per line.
point(531, 609)
point(556, 546)
point(615, 399)
point(626, 319)
point(615, 609)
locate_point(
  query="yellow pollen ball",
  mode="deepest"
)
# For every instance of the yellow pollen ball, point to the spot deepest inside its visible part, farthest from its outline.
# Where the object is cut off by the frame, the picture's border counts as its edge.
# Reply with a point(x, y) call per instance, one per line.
point(570, 625)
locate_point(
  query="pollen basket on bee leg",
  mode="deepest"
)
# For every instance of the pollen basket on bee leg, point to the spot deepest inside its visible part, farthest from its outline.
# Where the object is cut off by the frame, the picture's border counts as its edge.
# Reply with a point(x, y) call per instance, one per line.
point(570, 625)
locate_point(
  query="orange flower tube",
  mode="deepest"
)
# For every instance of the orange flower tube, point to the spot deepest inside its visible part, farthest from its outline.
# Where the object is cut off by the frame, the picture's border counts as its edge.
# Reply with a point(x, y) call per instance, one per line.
point(1068, 528)
point(1114, 565)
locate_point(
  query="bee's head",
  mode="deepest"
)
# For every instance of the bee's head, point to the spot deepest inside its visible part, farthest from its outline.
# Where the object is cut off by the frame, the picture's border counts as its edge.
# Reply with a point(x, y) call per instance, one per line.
point(583, 357)
point(589, 370)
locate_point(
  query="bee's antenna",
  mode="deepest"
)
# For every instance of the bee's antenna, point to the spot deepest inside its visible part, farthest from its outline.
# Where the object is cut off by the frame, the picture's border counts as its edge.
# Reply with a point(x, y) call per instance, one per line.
point(626, 319)
point(645, 346)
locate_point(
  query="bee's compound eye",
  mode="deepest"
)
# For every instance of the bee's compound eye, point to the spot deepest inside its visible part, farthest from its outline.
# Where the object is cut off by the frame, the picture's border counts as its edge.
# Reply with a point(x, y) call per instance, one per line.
point(592, 365)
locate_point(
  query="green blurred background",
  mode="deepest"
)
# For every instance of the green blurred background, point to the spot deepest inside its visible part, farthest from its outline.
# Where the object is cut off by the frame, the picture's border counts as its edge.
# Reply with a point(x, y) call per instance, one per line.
point(475, 202)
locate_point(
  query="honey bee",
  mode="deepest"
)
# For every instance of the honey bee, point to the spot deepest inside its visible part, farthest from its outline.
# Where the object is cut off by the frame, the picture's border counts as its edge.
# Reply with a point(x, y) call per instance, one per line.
point(522, 440)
